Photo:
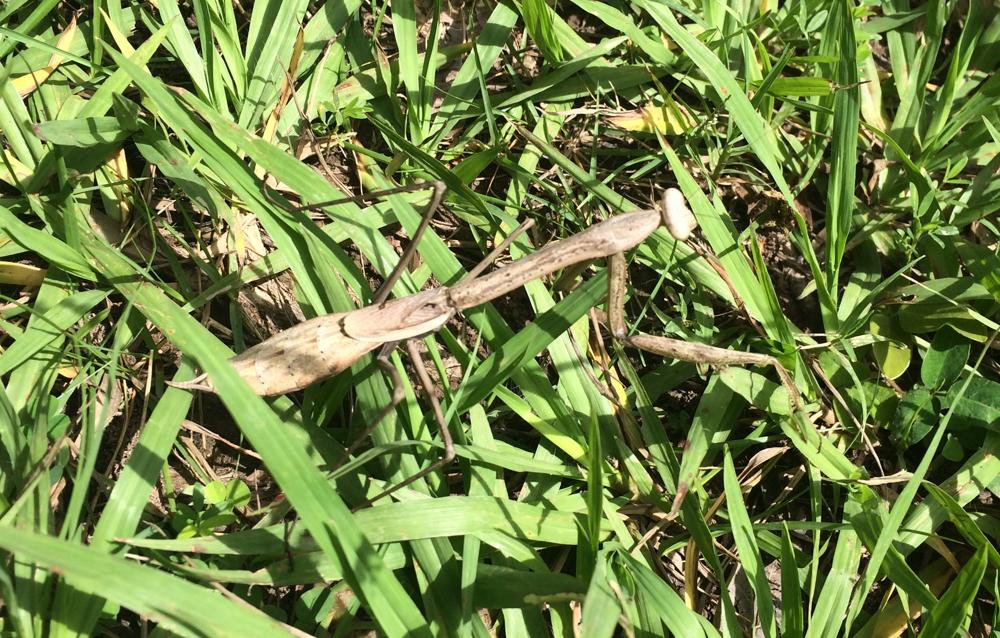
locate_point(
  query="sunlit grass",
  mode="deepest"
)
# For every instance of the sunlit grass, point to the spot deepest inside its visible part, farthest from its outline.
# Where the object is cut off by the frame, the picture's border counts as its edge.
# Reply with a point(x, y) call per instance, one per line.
point(841, 161)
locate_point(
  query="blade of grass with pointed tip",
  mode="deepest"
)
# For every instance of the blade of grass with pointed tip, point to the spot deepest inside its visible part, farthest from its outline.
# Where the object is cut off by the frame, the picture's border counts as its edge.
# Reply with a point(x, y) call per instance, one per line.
point(965, 524)
point(834, 599)
point(601, 608)
point(404, 31)
point(760, 138)
point(867, 524)
point(792, 604)
point(664, 601)
point(274, 26)
point(948, 618)
point(182, 44)
point(586, 557)
point(616, 19)
point(746, 546)
point(421, 518)
point(125, 503)
point(315, 499)
point(27, 24)
point(717, 408)
point(458, 100)
point(904, 501)
point(843, 154)
point(47, 327)
point(45, 245)
point(312, 256)
point(515, 352)
point(174, 603)
point(981, 469)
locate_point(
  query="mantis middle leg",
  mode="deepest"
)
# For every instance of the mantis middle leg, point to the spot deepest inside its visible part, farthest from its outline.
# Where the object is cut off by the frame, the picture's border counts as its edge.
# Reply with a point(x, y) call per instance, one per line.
point(678, 348)
point(382, 360)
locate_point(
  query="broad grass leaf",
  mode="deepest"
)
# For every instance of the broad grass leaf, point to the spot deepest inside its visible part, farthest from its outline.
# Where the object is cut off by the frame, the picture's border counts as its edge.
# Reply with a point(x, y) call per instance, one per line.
point(182, 607)
point(950, 614)
point(539, 22)
point(964, 523)
point(800, 87)
point(944, 359)
point(83, 132)
point(892, 355)
point(916, 415)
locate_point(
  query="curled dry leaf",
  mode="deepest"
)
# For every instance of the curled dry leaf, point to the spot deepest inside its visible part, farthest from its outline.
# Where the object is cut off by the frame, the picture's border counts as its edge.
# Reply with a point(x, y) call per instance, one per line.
point(29, 82)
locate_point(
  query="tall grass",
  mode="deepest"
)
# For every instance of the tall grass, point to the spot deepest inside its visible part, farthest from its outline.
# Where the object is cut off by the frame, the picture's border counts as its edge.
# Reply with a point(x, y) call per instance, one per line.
point(159, 161)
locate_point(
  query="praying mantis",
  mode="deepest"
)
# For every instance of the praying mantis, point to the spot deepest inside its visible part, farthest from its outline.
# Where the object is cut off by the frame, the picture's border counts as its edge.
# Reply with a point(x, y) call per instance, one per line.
point(327, 345)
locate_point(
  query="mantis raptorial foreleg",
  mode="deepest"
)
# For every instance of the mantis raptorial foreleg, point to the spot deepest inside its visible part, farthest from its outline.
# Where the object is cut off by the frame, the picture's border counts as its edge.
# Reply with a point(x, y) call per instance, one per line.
point(680, 221)
point(324, 346)
point(407, 257)
point(382, 359)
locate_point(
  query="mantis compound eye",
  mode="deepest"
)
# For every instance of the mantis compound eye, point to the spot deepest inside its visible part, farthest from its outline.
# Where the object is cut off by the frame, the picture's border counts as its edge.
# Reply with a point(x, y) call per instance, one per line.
point(677, 217)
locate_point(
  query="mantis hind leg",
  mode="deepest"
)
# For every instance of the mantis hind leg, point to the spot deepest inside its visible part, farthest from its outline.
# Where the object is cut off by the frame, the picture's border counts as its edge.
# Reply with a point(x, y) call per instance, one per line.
point(679, 349)
point(428, 385)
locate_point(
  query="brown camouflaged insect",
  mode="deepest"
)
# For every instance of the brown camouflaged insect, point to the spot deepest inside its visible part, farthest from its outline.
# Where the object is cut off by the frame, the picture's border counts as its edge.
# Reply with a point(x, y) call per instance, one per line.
point(324, 346)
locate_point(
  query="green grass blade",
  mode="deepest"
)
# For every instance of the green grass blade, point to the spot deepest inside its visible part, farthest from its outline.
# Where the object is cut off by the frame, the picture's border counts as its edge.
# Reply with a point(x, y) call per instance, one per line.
point(792, 603)
point(274, 26)
point(950, 615)
point(404, 30)
point(828, 615)
point(183, 45)
point(459, 101)
point(906, 496)
point(315, 499)
point(746, 545)
point(47, 327)
point(760, 138)
point(678, 619)
point(844, 155)
point(125, 503)
point(175, 604)
point(45, 245)
point(601, 607)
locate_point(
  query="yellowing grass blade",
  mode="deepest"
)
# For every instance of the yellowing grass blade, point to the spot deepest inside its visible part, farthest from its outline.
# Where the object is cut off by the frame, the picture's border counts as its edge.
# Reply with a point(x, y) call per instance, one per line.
point(21, 274)
point(669, 118)
point(27, 83)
